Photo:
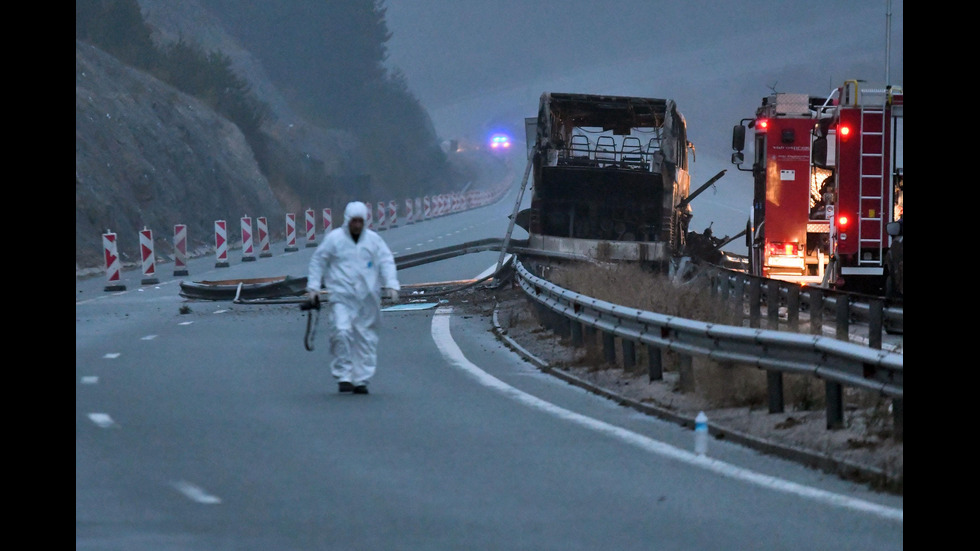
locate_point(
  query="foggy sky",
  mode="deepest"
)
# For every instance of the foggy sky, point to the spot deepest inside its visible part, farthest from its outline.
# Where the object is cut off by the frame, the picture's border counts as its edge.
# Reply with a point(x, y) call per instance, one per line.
point(476, 64)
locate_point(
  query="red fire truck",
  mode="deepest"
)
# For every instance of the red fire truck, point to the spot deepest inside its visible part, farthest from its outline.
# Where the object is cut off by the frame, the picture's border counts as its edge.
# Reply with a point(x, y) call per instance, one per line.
point(827, 180)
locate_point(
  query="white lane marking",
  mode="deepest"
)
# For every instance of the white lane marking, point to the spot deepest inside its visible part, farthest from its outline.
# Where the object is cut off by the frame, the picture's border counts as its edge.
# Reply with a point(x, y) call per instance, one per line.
point(195, 493)
point(185, 323)
point(90, 380)
point(111, 355)
point(450, 350)
point(220, 311)
point(148, 338)
point(102, 419)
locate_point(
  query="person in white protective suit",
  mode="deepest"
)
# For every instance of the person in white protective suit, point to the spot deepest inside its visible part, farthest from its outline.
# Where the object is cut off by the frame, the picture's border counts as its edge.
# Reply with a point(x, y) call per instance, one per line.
point(355, 266)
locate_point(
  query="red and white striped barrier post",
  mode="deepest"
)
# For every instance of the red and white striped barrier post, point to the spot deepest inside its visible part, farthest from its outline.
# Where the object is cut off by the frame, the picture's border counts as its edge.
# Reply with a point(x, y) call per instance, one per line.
point(149, 259)
point(310, 228)
point(221, 244)
point(369, 223)
point(327, 221)
point(248, 246)
point(418, 209)
point(381, 215)
point(263, 233)
point(291, 233)
point(392, 214)
point(180, 250)
point(408, 211)
point(426, 207)
point(112, 265)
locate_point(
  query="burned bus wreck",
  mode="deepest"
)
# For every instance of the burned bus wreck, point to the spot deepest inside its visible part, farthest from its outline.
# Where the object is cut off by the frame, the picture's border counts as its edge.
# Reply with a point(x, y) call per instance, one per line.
point(610, 178)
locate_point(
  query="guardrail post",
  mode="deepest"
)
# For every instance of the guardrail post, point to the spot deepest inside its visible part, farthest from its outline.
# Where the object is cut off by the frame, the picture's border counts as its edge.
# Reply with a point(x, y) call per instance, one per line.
point(588, 335)
point(655, 369)
point(835, 406)
point(609, 347)
point(843, 317)
point(563, 325)
point(898, 419)
point(576, 329)
point(772, 305)
point(629, 355)
point(816, 311)
point(875, 322)
point(774, 387)
point(793, 307)
point(685, 371)
point(755, 302)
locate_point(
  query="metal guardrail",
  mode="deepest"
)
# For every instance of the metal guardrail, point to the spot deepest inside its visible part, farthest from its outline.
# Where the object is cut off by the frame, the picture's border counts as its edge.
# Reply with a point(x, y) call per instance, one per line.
point(880, 314)
point(734, 266)
point(838, 362)
point(424, 257)
point(827, 358)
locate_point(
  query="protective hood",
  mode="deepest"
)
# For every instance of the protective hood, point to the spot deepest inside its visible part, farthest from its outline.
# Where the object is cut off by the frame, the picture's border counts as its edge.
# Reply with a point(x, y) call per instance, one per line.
point(355, 209)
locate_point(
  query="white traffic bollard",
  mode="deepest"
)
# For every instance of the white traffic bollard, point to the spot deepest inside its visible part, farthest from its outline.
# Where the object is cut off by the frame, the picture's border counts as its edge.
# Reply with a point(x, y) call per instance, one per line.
point(327, 221)
point(392, 214)
point(701, 434)
point(408, 211)
point(112, 265)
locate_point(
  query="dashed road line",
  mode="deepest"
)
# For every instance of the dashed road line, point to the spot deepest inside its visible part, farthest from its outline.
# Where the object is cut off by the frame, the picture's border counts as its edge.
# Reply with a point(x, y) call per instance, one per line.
point(103, 420)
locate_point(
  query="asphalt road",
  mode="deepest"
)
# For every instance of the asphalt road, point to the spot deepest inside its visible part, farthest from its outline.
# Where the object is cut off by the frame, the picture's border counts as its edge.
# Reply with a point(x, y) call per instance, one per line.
point(207, 425)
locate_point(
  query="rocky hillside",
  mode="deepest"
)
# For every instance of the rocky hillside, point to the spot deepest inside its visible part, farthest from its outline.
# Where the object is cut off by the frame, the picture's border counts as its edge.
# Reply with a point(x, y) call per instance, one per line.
point(150, 156)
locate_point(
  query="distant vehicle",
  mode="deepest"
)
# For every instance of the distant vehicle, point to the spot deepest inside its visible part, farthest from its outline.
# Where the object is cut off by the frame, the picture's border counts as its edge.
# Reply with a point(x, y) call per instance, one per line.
point(500, 142)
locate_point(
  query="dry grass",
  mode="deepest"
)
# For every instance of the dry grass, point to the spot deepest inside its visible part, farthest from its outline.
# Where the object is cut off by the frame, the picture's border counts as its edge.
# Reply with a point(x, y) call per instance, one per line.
point(719, 384)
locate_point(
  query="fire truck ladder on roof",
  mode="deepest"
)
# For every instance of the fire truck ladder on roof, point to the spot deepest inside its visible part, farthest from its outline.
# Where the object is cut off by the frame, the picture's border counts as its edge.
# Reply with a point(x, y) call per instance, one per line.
point(871, 187)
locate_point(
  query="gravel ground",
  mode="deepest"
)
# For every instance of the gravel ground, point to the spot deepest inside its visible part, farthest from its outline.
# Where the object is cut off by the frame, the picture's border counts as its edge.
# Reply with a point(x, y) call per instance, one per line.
point(863, 450)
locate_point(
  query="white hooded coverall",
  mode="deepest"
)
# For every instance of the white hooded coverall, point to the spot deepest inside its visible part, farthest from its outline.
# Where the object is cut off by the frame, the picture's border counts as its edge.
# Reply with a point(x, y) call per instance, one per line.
point(353, 275)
